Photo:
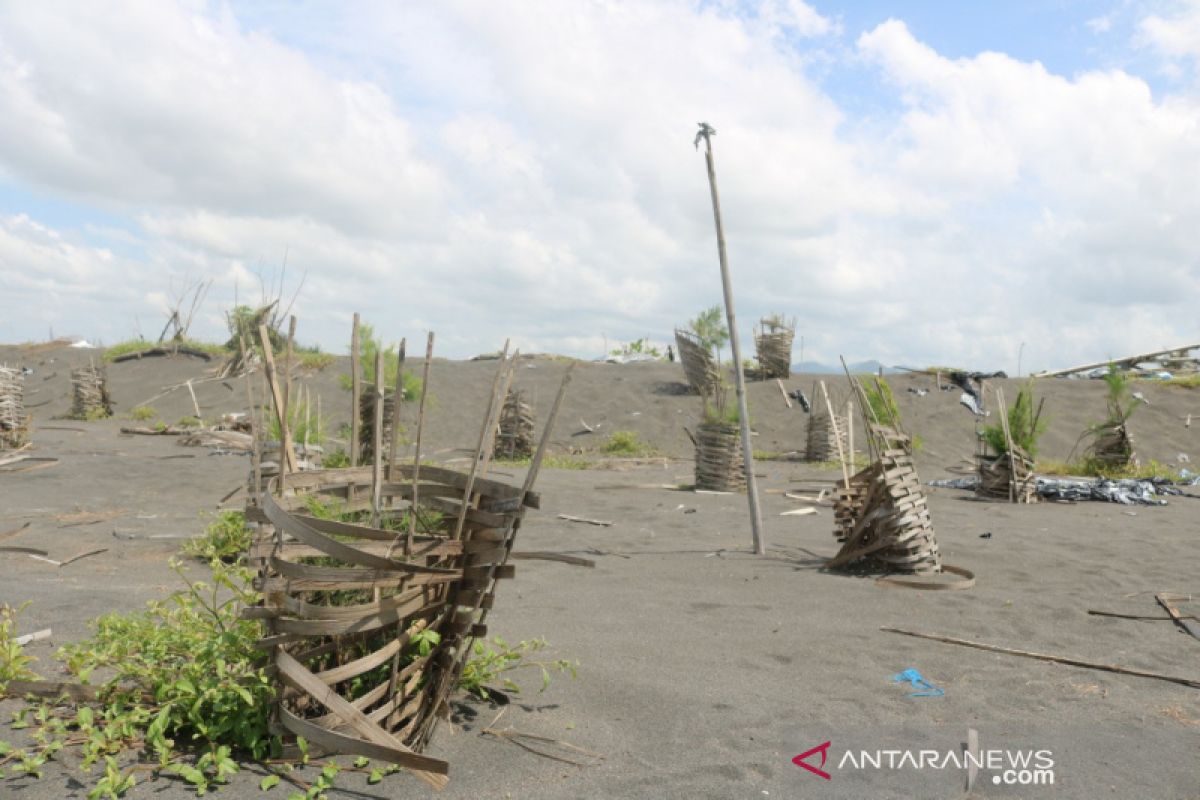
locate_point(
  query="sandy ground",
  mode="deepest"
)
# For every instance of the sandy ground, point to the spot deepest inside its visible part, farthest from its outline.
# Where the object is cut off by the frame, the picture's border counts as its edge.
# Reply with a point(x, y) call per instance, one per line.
point(703, 669)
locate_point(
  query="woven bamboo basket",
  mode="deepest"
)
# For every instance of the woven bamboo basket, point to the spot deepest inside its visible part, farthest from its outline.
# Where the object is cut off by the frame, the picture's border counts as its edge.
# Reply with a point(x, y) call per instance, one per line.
point(1113, 446)
point(881, 517)
point(515, 436)
point(824, 436)
point(14, 422)
point(699, 368)
point(996, 478)
point(773, 345)
point(91, 399)
point(719, 463)
point(345, 605)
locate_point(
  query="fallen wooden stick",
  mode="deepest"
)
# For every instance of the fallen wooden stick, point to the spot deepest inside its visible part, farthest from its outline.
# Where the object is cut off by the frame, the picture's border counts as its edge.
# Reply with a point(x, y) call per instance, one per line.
point(1190, 627)
point(601, 522)
point(30, 551)
point(70, 560)
point(14, 531)
point(542, 555)
point(1151, 617)
point(798, 512)
point(1074, 662)
point(36, 636)
point(783, 391)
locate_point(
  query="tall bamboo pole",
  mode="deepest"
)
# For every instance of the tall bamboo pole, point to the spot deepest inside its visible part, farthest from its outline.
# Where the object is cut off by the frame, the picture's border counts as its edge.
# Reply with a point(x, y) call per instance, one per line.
point(706, 133)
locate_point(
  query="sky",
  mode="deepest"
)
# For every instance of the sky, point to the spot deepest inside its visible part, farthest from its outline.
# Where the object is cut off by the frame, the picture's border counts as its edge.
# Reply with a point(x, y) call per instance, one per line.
point(997, 185)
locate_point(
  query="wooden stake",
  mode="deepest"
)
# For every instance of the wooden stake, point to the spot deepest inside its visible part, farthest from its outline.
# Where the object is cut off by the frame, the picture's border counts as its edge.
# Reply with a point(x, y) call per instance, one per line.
point(192, 392)
point(287, 364)
point(706, 133)
point(1008, 444)
point(850, 429)
point(288, 459)
point(783, 392)
point(506, 365)
point(377, 441)
point(412, 516)
point(355, 392)
point(837, 437)
point(397, 400)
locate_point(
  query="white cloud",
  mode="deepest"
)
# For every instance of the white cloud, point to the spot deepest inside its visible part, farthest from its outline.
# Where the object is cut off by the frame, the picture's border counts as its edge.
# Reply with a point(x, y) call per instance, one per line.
point(492, 173)
point(1176, 35)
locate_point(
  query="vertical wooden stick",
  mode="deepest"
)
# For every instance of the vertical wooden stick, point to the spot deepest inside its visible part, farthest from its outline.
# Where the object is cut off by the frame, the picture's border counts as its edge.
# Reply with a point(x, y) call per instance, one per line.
point(412, 516)
point(287, 364)
point(195, 404)
point(1008, 443)
point(850, 429)
point(397, 401)
point(535, 464)
point(377, 441)
point(318, 418)
point(355, 392)
point(837, 436)
point(506, 364)
point(307, 419)
point(288, 454)
point(734, 343)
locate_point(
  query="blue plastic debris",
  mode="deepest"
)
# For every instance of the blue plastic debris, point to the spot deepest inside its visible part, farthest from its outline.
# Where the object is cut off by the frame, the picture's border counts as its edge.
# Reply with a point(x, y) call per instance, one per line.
point(917, 681)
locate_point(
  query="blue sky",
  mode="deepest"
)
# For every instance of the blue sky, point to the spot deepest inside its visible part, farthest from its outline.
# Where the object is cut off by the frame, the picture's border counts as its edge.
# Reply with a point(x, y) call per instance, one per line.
point(916, 182)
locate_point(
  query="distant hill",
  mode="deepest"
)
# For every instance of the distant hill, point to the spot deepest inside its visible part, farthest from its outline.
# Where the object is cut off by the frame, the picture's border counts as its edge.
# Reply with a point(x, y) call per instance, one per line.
point(816, 368)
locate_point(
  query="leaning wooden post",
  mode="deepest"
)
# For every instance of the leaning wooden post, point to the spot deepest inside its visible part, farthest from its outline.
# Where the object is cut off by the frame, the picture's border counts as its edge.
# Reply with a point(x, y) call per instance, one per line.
point(706, 133)
point(356, 393)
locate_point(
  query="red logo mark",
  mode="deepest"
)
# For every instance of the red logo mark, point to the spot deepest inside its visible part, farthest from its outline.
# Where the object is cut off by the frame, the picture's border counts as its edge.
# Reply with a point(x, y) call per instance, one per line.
point(799, 760)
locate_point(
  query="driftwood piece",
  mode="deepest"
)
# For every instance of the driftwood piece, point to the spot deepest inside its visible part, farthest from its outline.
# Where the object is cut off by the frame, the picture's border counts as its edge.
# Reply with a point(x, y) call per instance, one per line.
point(1190, 627)
point(571, 518)
point(153, 352)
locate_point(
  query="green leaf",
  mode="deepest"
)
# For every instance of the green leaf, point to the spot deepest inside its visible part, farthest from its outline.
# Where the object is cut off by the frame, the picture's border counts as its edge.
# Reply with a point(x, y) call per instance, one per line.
point(269, 782)
point(375, 777)
point(361, 761)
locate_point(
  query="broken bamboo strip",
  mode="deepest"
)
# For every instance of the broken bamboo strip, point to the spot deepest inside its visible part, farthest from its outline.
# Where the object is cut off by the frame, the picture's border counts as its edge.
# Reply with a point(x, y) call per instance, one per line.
point(1074, 662)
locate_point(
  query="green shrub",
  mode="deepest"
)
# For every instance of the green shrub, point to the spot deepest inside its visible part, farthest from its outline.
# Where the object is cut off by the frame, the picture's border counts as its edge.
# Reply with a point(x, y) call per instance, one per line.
point(14, 664)
point(226, 538)
point(638, 347)
point(1025, 426)
point(314, 360)
point(625, 443)
point(142, 413)
point(369, 345)
point(709, 327)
